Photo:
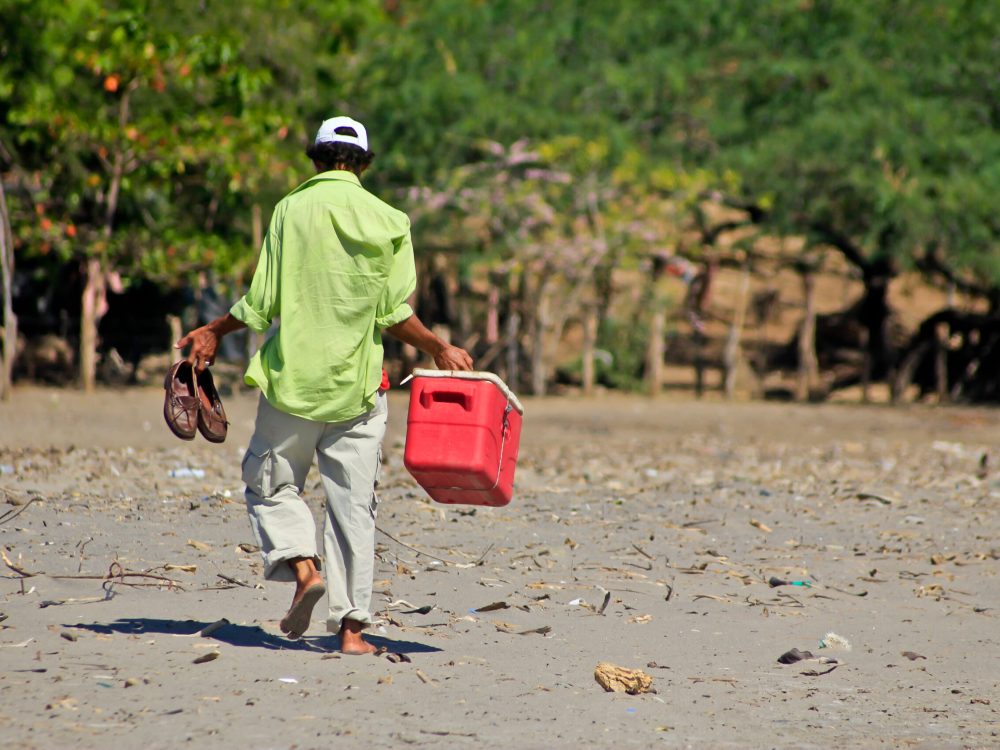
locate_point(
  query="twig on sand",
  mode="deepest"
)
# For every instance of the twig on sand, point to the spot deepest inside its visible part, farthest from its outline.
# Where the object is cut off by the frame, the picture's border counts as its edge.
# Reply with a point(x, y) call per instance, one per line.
point(81, 545)
point(849, 593)
point(22, 644)
point(647, 567)
point(414, 549)
point(485, 553)
point(817, 673)
point(20, 571)
point(783, 595)
point(116, 575)
point(643, 552)
point(10, 515)
point(109, 593)
point(234, 581)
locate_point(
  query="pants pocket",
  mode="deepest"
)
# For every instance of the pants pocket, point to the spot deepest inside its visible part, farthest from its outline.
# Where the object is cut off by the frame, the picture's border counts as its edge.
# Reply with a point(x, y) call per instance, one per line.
point(378, 478)
point(258, 469)
point(378, 468)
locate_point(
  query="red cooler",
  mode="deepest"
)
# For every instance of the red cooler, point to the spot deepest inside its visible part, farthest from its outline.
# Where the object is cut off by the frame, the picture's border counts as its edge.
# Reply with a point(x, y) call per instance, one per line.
point(462, 435)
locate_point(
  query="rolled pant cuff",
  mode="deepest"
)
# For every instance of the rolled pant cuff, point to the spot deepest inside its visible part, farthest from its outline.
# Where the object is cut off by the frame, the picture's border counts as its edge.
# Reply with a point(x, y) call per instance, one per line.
point(275, 568)
point(333, 622)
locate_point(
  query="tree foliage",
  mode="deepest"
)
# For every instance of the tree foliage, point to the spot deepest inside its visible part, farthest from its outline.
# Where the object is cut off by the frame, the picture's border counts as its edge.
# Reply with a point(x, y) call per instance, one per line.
point(871, 126)
point(556, 139)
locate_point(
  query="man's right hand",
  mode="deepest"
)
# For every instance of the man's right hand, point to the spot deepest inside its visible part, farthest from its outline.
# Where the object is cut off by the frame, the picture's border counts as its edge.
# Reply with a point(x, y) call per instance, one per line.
point(204, 341)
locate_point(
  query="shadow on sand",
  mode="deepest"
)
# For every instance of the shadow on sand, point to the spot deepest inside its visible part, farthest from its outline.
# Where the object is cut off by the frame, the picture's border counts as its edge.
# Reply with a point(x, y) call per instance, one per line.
point(252, 636)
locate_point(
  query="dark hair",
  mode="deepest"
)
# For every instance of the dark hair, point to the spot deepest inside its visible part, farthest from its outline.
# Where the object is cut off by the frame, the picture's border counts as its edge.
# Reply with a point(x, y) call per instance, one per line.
point(342, 155)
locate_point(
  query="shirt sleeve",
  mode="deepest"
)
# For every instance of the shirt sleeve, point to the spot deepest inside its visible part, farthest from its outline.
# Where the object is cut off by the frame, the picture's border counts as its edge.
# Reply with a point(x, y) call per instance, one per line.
point(392, 306)
point(262, 303)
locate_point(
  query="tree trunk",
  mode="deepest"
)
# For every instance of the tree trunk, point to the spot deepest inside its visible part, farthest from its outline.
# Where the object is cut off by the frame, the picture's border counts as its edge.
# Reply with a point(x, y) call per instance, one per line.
point(92, 308)
point(874, 314)
point(442, 331)
point(176, 331)
point(7, 288)
point(941, 335)
point(866, 367)
point(654, 349)
point(94, 297)
point(731, 355)
point(492, 313)
point(604, 287)
point(698, 339)
point(696, 302)
point(463, 306)
point(808, 373)
point(513, 348)
point(589, 342)
point(903, 377)
point(538, 329)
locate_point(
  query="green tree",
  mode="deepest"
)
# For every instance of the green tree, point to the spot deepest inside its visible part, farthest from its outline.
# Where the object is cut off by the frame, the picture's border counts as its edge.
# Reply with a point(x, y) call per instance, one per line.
point(144, 138)
point(435, 77)
point(869, 127)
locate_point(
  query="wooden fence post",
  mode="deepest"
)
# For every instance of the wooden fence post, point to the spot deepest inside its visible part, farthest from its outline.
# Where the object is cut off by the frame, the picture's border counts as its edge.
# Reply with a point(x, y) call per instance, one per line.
point(866, 366)
point(589, 343)
point(7, 288)
point(541, 323)
point(92, 303)
point(654, 348)
point(808, 371)
point(941, 335)
point(513, 348)
point(731, 355)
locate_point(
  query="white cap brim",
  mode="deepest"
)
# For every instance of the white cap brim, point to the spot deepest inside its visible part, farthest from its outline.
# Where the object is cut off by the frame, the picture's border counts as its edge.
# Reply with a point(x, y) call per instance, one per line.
point(328, 132)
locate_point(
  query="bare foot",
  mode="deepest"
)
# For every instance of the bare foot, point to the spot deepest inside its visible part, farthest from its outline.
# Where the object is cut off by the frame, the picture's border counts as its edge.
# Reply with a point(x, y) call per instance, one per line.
point(309, 588)
point(351, 641)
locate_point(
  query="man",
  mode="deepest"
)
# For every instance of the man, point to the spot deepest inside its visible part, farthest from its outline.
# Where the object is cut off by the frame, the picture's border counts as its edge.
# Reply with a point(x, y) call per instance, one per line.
point(337, 268)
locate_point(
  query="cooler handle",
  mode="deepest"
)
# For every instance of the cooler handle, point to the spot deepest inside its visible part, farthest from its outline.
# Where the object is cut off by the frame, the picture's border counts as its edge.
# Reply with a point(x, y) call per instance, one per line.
point(428, 396)
point(505, 430)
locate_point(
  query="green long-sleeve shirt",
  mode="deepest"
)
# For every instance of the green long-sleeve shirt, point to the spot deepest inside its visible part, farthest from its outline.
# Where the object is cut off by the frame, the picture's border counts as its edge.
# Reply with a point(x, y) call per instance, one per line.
point(336, 267)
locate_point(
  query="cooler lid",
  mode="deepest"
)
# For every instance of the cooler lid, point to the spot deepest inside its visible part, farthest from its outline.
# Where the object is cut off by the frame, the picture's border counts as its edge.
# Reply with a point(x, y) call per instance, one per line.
point(420, 372)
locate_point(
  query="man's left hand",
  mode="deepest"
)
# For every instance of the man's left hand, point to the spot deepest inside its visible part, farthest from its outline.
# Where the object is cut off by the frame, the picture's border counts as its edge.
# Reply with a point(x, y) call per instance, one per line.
point(453, 358)
point(204, 343)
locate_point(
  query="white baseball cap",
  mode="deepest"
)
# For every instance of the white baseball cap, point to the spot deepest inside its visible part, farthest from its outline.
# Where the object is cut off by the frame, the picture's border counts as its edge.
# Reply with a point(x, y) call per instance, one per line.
point(328, 132)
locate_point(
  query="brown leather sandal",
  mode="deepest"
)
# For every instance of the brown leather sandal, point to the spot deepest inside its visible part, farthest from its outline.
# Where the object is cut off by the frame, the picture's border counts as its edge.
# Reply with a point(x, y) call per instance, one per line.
point(180, 404)
point(212, 423)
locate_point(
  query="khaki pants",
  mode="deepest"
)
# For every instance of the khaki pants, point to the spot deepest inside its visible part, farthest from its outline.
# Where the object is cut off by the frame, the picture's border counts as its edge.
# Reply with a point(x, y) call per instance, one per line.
point(274, 469)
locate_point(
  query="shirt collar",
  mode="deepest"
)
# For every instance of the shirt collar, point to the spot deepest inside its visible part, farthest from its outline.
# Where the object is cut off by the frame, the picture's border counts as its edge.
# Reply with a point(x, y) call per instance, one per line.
point(338, 174)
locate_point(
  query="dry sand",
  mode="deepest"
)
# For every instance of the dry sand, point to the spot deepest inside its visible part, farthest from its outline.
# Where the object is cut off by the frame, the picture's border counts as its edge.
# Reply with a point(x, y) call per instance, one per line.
point(681, 511)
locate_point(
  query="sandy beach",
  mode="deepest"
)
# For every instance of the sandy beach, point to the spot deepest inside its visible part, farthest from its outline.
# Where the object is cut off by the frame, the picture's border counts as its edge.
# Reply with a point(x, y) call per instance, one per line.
point(646, 534)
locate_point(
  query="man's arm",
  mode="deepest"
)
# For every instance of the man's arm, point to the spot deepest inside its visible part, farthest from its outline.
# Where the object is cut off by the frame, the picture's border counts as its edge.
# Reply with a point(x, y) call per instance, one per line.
point(447, 357)
point(204, 341)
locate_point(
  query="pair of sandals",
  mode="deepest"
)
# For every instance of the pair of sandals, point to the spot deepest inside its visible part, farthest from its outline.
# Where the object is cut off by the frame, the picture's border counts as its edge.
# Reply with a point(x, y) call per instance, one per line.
point(192, 404)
